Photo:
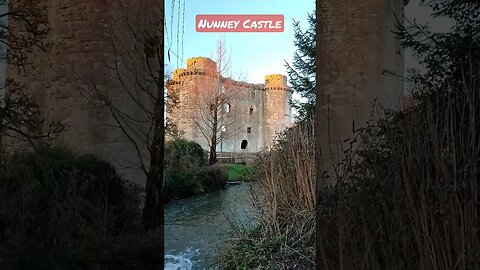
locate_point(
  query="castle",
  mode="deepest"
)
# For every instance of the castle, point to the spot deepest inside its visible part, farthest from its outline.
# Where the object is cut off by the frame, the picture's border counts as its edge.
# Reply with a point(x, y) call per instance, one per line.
point(355, 46)
point(252, 113)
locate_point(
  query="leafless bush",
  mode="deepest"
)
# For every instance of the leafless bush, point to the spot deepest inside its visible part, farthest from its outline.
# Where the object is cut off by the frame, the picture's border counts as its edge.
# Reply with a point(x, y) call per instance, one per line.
point(408, 198)
point(284, 195)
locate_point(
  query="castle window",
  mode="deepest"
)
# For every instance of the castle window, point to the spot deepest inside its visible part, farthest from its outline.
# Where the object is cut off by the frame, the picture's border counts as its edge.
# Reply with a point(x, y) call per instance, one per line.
point(227, 107)
point(249, 129)
point(251, 110)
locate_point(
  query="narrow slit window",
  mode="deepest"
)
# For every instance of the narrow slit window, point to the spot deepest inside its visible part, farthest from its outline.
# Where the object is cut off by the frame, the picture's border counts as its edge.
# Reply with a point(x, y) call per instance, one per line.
point(249, 129)
point(251, 110)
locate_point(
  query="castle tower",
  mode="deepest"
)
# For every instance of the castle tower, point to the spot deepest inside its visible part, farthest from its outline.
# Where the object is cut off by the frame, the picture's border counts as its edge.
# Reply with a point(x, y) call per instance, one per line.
point(356, 55)
point(204, 64)
point(79, 46)
point(188, 86)
point(277, 110)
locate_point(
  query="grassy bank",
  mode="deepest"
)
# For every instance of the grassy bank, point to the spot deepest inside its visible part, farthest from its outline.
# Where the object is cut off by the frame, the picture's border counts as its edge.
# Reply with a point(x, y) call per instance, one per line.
point(283, 193)
point(239, 172)
point(187, 173)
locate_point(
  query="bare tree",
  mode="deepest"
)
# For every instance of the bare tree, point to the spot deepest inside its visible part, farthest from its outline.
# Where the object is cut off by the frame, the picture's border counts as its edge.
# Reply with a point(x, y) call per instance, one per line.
point(171, 128)
point(21, 118)
point(130, 84)
point(23, 28)
point(216, 114)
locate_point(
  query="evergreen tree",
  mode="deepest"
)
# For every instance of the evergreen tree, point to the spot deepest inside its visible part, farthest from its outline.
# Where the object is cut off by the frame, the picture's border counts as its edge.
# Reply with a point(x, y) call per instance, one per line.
point(302, 70)
point(449, 58)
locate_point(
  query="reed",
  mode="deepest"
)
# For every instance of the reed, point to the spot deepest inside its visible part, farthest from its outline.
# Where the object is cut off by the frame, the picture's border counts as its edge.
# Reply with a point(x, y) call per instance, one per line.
point(283, 195)
point(408, 197)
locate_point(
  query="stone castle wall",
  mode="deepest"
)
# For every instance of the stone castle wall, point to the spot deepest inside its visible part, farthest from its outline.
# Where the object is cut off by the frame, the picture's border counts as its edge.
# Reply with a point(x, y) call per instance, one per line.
point(259, 110)
point(79, 39)
point(355, 48)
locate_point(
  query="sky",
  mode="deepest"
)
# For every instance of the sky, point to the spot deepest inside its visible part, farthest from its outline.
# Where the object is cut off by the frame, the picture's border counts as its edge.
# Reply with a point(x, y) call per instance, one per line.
point(253, 55)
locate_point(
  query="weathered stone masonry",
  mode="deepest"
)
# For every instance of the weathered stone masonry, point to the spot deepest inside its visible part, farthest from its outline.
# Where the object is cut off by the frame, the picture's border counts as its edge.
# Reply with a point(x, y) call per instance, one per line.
point(78, 41)
point(262, 109)
point(355, 46)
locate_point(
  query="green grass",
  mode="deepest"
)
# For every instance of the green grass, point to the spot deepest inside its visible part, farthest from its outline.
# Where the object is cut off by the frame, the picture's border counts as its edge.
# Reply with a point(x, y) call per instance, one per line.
point(239, 172)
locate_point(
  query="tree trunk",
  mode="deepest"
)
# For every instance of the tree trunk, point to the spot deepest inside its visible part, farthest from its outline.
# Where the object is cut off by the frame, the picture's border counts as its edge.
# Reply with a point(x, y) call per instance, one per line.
point(213, 143)
point(153, 214)
point(213, 154)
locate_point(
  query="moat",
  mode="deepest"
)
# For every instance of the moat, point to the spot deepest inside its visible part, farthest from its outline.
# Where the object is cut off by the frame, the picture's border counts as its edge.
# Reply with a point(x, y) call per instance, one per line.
point(197, 228)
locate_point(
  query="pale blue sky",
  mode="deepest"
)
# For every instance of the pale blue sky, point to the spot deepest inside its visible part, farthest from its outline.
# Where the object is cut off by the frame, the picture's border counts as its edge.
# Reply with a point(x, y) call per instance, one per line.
point(253, 55)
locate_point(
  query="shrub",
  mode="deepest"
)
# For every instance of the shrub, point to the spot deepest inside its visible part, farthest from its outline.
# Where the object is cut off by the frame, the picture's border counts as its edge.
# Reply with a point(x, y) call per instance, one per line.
point(182, 154)
point(63, 211)
point(186, 173)
point(182, 184)
point(283, 195)
point(213, 178)
point(408, 197)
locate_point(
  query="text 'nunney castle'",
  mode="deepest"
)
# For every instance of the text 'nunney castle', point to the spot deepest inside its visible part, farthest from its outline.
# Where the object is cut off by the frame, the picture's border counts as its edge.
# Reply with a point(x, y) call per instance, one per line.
point(249, 113)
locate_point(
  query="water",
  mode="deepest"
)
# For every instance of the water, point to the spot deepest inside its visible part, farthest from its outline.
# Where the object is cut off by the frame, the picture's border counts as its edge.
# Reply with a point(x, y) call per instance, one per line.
point(196, 228)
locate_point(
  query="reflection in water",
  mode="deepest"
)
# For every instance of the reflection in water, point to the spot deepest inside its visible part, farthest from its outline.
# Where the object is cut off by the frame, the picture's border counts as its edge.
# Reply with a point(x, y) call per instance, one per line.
point(196, 227)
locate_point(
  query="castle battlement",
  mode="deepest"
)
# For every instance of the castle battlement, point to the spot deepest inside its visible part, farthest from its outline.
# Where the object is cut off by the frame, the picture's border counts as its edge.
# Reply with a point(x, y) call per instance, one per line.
point(205, 66)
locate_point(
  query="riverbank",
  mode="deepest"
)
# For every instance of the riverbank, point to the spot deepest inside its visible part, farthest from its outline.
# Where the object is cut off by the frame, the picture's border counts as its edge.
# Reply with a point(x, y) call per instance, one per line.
point(197, 228)
point(194, 181)
point(283, 197)
point(239, 172)
point(206, 179)
point(187, 172)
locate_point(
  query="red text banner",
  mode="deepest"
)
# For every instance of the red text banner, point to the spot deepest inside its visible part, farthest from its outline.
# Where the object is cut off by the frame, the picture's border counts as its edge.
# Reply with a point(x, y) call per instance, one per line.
point(239, 23)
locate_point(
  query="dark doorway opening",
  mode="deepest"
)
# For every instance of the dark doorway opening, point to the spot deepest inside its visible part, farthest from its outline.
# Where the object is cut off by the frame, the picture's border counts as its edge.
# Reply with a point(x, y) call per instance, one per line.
point(244, 144)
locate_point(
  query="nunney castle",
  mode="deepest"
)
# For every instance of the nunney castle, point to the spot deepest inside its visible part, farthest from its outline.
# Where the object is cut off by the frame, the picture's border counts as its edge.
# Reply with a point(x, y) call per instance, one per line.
point(351, 61)
point(252, 114)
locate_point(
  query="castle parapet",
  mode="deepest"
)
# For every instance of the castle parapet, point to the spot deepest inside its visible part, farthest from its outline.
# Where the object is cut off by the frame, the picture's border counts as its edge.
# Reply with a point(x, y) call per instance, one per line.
point(202, 63)
point(276, 82)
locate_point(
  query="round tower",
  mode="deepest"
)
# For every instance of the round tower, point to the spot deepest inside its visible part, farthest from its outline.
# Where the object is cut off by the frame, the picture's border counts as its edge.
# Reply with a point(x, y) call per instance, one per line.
point(81, 54)
point(277, 108)
point(202, 63)
point(351, 76)
point(191, 86)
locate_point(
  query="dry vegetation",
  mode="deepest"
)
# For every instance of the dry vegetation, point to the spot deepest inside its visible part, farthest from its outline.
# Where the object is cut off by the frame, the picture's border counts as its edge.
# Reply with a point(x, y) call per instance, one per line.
point(409, 196)
point(284, 195)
